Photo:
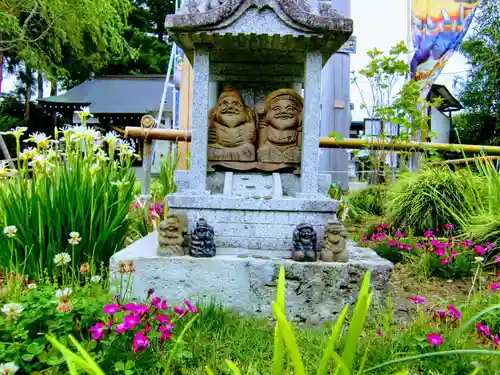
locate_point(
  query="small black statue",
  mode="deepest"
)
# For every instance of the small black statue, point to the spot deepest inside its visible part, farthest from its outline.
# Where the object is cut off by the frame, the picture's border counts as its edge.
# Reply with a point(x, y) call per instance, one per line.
point(304, 243)
point(201, 242)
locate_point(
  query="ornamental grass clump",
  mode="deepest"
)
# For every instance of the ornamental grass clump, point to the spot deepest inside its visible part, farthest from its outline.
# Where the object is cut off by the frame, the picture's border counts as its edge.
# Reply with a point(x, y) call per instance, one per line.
point(65, 184)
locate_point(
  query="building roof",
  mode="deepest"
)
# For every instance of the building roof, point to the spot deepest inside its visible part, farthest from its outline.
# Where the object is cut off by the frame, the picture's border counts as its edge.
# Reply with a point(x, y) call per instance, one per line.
point(449, 102)
point(116, 94)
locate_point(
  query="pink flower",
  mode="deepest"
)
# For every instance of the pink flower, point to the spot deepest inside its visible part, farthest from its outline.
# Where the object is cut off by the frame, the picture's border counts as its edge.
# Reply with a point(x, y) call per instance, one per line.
point(408, 248)
point(417, 300)
point(98, 331)
point(418, 245)
point(380, 229)
point(111, 309)
point(120, 328)
point(385, 226)
point(166, 332)
point(490, 245)
point(454, 312)
point(480, 250)
point(435, 242)
point(131, 306)
point(131, 321)
point(440, 314)
point(141, 309)
point(467, 243)
point(434, 339)
point(392, 243)
point(483, 329)
point(140, 342)
point(494, 287)
point(445, 260)
point(496, 340)
point(155, 302)
point(162, 319)
point(179, 310)
point(497, 259)
point(191, 307)
point(147, 327)
point(440, 251)
point(428, 233)
point(453, 253)
point(364, 239)
point(449, 226)
point(380, 332)
point(398, 234)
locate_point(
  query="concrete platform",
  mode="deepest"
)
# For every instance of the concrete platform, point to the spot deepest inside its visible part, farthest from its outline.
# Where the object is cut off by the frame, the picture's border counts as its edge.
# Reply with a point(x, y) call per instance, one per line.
point(316, 292)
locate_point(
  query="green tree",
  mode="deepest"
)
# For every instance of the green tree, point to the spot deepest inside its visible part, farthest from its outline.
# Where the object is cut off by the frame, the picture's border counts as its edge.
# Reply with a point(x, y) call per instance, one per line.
point(479, 92)
point(43, 33)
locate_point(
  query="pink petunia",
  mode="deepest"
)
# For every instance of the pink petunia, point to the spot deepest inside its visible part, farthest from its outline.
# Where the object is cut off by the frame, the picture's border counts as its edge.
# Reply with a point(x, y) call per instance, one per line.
point(111, 309)
point(467, 243)
point(131, 306)
point(449, 226)
point(480, 250)
point(434, 339)
point(440, 251)
point(155, 302)
point(383, 225)
point(141, 309)
point(398, 234)
point(428, 233)
point(141, 342)
point(454, 312)
point(494, 287)
point(131, 321)
point(162, 319)
point(483, 329)
point(392, 243)
point(417, 300)
point(98, 331)
point(180, 311)
point(435, 243)
point(191, 307)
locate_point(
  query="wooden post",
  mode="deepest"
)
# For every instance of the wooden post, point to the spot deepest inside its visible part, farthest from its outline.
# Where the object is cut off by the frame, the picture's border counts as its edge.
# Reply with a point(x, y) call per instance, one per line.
point(184, 148)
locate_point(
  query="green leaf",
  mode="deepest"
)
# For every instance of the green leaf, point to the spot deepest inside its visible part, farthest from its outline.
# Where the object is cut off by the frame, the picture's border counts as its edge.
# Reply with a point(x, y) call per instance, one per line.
point(119, 366)
point(130, 364)
point(27, 357)
point(209, 371)
point(235, 370)
point(279, 346)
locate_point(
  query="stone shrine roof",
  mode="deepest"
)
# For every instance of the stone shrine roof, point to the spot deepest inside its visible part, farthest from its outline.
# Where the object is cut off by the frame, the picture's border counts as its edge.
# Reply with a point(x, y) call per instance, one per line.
point(287, 25)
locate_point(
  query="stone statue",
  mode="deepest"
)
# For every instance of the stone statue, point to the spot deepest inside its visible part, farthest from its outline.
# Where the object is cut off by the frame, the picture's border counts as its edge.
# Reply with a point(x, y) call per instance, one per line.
point(198, 6)
point(171, 235)
point(201, 244)
point(335, 242)
point(231, 129)
point(280, 134)
point(304, 243)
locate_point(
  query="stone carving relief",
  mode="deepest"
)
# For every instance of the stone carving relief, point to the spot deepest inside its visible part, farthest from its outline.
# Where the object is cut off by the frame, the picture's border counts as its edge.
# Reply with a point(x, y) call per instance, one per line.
point(231, 129)
point(198, 6)
point(304, 243)
point(202, 240)
point(279, 136)
point(171, 235)
point(335, 242)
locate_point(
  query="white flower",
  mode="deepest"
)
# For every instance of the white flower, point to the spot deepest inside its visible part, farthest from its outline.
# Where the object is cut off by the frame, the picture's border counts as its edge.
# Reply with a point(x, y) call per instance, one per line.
point(3, 169)
point(94, 168)
point(17, 132)
point(111, 137)
point(32, 286)
point(95, 279)
point(63, 293)
point(74, 238)
point(84, 112)
point(10, 231)
point(41, 139)
point(8, 368)
point(62, 259)
point(479, 259)
point(28, 153)
point(12, 310)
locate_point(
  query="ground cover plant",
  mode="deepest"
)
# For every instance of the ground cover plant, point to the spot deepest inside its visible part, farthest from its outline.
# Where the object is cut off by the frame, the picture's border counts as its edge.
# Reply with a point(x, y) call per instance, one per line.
point(65, 185)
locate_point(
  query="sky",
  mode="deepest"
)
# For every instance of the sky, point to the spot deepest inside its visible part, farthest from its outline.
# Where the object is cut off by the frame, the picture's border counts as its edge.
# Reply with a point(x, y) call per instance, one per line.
point(380, 24)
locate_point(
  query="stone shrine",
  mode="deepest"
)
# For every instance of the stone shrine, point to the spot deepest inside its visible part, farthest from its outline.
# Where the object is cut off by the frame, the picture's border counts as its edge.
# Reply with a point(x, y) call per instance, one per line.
point(253, 197)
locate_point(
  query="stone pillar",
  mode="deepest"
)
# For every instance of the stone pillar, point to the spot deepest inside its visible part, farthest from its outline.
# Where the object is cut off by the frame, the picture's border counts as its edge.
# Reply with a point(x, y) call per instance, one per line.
point(199, 108)
point(214, 94)
point(311, 125)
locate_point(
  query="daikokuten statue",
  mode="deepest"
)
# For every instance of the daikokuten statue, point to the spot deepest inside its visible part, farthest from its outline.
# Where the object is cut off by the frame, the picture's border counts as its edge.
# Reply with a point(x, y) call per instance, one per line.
point(335, 242)
point(280, 134)
point(304, 243)
point(231, 129)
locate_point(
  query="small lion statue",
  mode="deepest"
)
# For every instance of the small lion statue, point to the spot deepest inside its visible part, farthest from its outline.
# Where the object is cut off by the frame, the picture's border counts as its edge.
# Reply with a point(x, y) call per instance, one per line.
point(335, 242)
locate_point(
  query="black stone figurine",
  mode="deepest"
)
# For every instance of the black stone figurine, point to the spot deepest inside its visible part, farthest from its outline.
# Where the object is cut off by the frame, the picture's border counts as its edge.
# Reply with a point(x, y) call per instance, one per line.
point(201, 242)
point(304, 243)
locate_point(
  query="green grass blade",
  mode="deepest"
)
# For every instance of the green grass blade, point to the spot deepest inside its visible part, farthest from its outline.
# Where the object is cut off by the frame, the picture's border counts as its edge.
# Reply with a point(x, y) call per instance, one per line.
point(363, 361)
point(463, 327)
point(330, 345)
point(177, 343)
point(340, 364)
point(279, 345)
point(209, 371)
point(68, 355)
point(289, 339)
point(95, 368)
point(356, 323)
point(233, 367)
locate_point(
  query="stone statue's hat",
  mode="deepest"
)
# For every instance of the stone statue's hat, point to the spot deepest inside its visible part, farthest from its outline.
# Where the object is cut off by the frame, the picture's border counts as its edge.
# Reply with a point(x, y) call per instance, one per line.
point(231, 92)
point(284, 94)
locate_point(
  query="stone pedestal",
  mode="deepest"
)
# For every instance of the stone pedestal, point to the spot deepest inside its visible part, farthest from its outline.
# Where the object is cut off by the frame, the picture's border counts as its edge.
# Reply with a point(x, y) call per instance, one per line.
point(316, 292)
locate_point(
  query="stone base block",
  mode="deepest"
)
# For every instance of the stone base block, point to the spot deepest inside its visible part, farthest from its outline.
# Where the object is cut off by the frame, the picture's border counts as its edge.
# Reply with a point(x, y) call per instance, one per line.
point(316, 292)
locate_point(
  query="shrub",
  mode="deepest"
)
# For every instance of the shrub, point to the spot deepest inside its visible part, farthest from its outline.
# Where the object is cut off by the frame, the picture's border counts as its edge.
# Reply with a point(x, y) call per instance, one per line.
point(425, 200)
point(71, 186)
point(368, 202)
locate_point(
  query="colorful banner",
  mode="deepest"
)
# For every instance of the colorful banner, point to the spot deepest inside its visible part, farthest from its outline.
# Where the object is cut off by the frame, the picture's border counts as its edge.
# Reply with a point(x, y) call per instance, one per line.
point(438, 28)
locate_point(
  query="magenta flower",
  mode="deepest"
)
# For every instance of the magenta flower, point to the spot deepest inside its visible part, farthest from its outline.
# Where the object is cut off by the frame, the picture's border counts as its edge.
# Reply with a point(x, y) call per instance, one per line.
point(155, 301)
point(480, 250)
point(147, 327)
point(428, 233)
point(440, 314)
point(162, 319)
point(166, 332)
point(120, 328)
point(380, 229)
point(490, 245)
point(408, 248)
point(497, 258)
point(131, 306)
point(380, 332)
point(398, 234)
point(454, 312)
point(141, 309)
point(440, 251)
point(449, 226)
point(98, 331)
point(445, 260)
point(179, 310)
point(140, 342)
point(111, 309)
point(385, 226)
point(453, 253)
point(496, 340)
point(418, 245)
point(364, 239)
point(494, 287)
point(435, 243)
point(392, 243)
point(483, 329)
point(434, 339)
point(191, 307)
point(131, 321)
point(467, 243)
point(417, 300)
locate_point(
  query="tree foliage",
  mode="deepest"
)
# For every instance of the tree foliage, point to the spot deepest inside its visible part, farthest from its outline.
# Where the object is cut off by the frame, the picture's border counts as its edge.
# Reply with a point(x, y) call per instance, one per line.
point(480, 91)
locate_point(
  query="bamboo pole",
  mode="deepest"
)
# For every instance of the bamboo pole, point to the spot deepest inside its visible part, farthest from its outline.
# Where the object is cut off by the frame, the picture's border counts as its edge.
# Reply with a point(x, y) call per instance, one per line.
point(324, 142)
point(465, 161)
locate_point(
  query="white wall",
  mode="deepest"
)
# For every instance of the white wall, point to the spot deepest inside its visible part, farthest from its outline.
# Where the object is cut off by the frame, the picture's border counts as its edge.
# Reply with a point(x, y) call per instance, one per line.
point(440, 125)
